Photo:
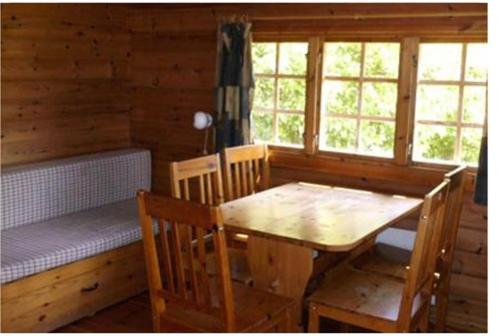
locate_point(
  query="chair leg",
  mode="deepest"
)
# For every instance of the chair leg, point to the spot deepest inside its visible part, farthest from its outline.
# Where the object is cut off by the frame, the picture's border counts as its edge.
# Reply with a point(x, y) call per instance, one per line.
point(156, 324)
point(442, 303)
point(313, 323)
point(423, 325)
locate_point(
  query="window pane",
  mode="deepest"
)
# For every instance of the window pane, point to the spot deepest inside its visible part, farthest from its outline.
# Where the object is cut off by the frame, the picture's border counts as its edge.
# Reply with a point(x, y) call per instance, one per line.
point(342, 59)
point(437, 102)
point(293, 58)
point(377, 138)
point(264, 58)
point(381, 60)
point(471, 143)
point(477, 62)
point(440, 61)
point(338, 133)
point(340, 97)
point(474, 104)
point(262, 126)
point(292, 94)
point(379, 99)
point(435, 142)
point(290, 129)
point(264, 93)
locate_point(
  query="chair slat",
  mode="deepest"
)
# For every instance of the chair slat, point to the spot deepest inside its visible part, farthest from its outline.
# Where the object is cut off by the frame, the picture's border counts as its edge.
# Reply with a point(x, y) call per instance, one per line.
point(237, 180)
point(167, 258)
point(210, 197)
point(177, 246)
point(244, 178)
point(201, 182)
point(251, 182)
point(250, 178)
point(202, 258)
point(188, 243)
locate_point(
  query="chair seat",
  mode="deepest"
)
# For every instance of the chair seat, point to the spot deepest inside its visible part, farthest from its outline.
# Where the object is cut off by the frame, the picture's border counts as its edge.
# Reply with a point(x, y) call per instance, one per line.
point(253, 309)
point(361, 292)
point(384, 259)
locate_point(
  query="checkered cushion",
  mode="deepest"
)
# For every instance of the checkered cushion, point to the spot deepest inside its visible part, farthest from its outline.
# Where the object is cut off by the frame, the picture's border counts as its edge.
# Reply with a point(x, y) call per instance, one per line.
point(37, 192)
point(33, 248)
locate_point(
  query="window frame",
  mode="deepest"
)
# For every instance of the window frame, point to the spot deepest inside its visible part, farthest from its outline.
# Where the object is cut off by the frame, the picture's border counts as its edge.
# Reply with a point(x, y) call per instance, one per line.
point(360, 80)
point(405, 107)
point(276, 110)
point(460, 125)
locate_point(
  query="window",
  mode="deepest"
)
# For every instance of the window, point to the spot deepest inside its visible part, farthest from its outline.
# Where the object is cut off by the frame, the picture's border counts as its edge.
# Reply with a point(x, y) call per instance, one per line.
point(359, 96)
point(356, 112)
point(280, 93)
point(451, 102)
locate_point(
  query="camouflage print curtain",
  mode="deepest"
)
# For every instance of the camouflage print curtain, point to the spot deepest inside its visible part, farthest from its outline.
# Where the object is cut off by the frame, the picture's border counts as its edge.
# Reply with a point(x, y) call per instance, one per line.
point(235, 84)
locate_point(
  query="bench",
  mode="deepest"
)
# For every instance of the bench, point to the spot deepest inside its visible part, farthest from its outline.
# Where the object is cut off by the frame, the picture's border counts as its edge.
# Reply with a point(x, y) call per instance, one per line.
point(71, 240)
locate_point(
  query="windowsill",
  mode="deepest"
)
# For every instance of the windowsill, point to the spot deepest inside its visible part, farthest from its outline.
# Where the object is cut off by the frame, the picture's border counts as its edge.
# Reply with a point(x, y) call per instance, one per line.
point(376, 168)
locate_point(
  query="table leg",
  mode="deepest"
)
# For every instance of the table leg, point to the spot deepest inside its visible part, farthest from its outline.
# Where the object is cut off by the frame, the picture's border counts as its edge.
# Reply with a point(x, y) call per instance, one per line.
point(281, 268)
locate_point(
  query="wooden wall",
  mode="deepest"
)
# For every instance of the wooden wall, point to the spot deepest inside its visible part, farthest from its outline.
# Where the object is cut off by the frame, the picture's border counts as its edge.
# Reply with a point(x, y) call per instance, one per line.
point(172, 76)
point(64, 69)
point(84, 78)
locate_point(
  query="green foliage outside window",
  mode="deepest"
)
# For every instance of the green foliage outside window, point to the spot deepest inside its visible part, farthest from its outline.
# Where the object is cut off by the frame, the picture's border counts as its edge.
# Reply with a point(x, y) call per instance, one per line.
point(289, 82)
point(359, 94)
point(441, 135)
point(290, 129)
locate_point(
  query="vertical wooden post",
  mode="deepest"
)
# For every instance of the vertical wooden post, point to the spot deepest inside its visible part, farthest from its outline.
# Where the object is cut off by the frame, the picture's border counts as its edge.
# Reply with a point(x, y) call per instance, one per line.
point(407, 90)
point(313, 93)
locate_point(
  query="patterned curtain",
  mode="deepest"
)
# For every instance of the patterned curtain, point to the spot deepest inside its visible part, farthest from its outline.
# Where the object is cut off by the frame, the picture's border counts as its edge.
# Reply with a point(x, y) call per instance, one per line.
point(481, 193)
point(235, 85)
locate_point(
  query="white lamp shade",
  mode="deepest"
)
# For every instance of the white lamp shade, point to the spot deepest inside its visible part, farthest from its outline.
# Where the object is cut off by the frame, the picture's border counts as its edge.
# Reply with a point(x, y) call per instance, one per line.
point(202, 120)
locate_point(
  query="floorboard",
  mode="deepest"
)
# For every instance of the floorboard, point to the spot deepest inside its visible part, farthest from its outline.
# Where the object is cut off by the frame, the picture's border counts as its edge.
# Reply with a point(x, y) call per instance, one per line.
point(134, 316)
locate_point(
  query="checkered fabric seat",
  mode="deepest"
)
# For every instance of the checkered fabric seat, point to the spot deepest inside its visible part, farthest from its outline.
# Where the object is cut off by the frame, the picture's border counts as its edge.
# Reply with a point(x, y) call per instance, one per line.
point(61, 211)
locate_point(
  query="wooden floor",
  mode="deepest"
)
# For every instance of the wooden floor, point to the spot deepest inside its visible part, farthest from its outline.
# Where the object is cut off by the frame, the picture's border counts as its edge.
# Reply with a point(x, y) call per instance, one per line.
point(134, 316)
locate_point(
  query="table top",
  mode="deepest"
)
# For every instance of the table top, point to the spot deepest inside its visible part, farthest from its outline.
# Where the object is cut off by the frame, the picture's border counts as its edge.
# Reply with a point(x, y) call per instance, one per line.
point(320, 217)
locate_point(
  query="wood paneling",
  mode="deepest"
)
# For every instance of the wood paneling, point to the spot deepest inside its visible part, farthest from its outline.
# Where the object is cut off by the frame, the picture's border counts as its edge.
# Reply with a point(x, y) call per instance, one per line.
point(72, 75)
point(64, 73)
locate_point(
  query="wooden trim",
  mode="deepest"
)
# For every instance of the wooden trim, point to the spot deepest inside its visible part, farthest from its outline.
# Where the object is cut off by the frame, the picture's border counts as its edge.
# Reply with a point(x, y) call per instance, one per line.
point(406, 100)
point(313, 95)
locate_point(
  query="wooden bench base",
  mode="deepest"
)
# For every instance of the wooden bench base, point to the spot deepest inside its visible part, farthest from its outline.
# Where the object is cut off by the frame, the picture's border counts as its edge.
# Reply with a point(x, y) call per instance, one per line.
point(49, 300)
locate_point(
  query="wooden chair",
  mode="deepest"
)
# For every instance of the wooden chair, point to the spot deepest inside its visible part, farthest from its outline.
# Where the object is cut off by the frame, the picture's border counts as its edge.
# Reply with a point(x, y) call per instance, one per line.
point(184, 297)
point(447, 243)
point(200, 180)
point(394, 261)
point(246, 170)
point(383, 303)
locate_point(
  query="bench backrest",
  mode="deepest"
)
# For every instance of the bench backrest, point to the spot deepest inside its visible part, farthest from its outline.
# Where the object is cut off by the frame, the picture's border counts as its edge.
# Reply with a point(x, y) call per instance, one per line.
point(40, 191)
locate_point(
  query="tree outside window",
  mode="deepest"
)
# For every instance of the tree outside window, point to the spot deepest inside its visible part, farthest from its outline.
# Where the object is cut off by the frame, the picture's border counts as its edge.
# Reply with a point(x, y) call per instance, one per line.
point(451, 102)
point(280, 94)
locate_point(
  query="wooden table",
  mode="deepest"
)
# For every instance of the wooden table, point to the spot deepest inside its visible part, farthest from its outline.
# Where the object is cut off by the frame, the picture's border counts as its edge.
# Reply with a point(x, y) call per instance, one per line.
point(285, 224)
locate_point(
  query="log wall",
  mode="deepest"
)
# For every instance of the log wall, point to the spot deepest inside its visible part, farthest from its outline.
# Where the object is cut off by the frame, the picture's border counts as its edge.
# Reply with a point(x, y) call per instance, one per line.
point(84, 78)
point(64, 70)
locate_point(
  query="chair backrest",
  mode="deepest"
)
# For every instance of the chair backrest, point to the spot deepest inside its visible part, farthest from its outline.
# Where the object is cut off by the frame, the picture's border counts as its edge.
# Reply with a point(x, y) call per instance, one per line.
point(186, 280)
point(198, 179)
point(453, 209)
point(425, 253)
point(246, 170)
